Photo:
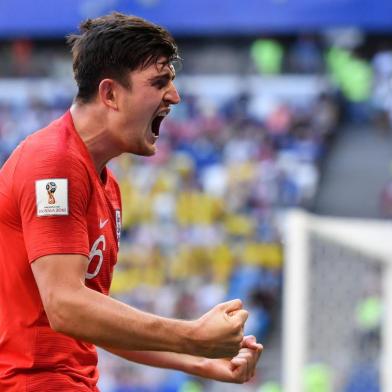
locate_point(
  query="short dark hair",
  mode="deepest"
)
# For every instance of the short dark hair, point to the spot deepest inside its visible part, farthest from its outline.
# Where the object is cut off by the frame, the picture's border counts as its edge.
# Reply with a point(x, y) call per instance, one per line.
point(112, 45)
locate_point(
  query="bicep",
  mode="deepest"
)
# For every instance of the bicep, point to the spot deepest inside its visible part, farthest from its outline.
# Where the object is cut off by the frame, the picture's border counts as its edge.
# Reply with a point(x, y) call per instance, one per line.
point(58, 276)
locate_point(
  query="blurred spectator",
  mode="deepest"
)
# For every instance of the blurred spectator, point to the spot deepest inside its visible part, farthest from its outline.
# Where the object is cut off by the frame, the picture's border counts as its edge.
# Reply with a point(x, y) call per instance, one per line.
point(382, 90)
point(317, 378)
point(325, 116)
point(21, 50)
point(270, 387)
point(363, 378)
point(305, 56)
point(386, 198)
point(354, 77)
point(267, 55)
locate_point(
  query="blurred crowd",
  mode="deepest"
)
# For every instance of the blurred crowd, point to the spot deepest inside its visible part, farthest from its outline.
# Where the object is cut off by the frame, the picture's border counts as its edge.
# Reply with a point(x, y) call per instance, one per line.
point(202, 220)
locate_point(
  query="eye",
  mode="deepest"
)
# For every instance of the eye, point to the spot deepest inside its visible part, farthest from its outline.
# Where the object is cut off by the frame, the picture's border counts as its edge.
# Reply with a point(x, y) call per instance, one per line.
point(160, 83)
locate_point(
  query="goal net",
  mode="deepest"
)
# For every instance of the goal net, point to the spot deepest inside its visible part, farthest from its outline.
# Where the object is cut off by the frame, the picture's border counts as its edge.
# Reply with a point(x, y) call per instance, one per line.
point(337, 313)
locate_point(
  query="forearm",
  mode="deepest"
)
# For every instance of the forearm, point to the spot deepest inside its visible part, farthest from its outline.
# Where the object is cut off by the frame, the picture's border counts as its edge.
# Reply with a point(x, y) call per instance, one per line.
point(215, 369)
point(91, 316)
point(168, 360)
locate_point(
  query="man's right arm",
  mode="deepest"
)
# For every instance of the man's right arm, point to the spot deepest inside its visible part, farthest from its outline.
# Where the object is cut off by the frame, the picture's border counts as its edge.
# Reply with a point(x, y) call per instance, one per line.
point(87, 315)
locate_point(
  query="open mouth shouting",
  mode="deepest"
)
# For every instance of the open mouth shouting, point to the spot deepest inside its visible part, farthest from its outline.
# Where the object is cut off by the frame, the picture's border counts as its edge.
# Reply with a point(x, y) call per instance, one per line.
point(156, 123)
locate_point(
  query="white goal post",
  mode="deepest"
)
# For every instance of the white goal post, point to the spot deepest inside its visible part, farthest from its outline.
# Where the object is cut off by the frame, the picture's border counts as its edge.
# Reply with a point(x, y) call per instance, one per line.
point(368, 238)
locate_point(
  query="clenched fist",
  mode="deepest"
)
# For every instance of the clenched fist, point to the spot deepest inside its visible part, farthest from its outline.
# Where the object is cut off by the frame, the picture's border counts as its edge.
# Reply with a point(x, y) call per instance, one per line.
point(239, 369)
point(219, 333)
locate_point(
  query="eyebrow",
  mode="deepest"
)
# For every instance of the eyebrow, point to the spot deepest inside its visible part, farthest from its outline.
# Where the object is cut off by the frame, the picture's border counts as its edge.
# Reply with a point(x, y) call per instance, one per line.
point(168, 68)
point(166, 75)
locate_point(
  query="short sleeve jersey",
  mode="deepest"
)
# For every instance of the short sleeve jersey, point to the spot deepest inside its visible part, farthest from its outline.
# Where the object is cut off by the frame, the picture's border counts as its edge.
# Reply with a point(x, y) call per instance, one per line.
point(52, 201)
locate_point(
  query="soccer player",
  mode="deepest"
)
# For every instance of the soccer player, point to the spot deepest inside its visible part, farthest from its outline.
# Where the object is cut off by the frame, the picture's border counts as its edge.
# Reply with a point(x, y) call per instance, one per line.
point(60, 222)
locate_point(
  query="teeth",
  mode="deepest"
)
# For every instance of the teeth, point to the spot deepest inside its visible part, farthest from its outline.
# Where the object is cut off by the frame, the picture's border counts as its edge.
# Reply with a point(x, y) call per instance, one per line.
point(164, 113)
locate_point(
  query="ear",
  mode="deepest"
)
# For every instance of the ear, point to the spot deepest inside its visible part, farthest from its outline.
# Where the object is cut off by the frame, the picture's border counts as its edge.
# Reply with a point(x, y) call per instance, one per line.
point(107, 92)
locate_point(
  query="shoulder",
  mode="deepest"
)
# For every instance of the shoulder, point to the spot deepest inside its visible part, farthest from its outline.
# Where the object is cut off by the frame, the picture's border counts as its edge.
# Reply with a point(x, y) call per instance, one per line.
point(50, 152)
point(52, 156)
point(55, 142)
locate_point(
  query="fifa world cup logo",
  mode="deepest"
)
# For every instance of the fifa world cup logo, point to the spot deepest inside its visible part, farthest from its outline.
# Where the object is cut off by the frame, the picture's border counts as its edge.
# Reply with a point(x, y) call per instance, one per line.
point(51, 188)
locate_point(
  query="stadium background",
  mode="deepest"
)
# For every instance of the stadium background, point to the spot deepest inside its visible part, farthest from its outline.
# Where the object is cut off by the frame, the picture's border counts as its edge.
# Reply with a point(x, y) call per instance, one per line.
point(284, 104)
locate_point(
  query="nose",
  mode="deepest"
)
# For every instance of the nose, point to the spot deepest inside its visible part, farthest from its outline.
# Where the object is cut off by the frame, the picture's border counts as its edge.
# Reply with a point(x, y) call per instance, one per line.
point(171, 96)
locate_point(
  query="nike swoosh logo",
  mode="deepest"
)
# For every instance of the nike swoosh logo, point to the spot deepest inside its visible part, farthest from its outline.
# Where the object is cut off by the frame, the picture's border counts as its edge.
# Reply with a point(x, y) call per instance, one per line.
point(102, 224)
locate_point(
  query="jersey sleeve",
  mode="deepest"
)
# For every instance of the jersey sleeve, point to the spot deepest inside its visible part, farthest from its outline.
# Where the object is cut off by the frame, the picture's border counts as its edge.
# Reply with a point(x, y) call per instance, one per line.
point(52, 190)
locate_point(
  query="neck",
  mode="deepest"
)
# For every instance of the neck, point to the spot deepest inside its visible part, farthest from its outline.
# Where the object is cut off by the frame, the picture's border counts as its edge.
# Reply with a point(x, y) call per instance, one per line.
point(91, 124)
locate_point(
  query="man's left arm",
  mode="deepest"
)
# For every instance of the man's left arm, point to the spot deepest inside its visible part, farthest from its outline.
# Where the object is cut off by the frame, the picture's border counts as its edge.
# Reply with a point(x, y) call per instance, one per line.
point(239, 369)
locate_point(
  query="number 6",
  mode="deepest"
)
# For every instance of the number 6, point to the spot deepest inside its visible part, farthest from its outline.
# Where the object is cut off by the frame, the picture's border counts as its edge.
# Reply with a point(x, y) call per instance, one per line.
point(96, 252)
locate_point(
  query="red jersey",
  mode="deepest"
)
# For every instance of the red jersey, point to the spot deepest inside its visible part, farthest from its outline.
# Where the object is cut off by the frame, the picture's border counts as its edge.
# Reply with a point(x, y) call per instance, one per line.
point(52, 201)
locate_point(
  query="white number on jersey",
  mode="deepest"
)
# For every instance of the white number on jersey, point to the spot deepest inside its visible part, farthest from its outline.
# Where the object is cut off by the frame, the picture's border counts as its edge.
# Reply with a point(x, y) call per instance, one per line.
point(95, 251)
